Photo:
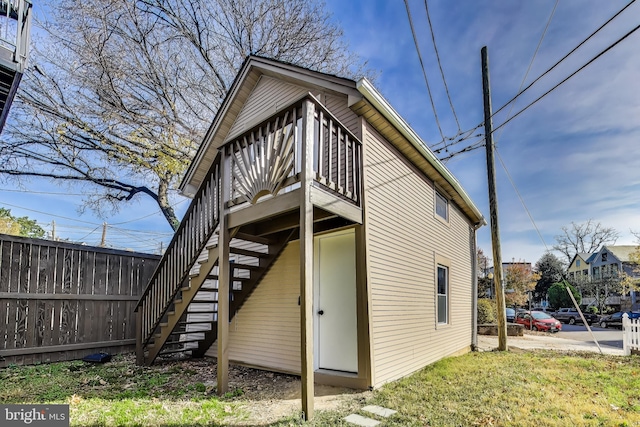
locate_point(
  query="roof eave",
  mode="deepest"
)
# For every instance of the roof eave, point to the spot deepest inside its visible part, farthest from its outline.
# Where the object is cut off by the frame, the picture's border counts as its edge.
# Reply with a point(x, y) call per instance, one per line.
point(372, 95)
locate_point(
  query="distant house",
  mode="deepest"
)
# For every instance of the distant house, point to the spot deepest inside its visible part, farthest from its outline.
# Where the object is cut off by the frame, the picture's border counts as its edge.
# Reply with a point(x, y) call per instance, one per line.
point(610, 261)
point(323, 233)
point(506, 265)
point(580, 266)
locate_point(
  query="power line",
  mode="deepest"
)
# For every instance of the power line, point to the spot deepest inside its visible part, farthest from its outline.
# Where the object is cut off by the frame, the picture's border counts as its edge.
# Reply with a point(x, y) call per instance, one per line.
point(151, 214)
point(462, 139)
point(471, 147)
point(42, 192)
point(459, 135)
point(513, 184)
point(435, 48)
point(567, 78)
point(424, 73)
point(563, 58)
point(50, 214)
point(535, 53)
point(476, 145)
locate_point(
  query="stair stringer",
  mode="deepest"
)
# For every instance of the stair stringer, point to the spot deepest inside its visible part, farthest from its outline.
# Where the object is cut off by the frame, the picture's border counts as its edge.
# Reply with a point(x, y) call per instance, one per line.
point(181, 304)
point(239, 297)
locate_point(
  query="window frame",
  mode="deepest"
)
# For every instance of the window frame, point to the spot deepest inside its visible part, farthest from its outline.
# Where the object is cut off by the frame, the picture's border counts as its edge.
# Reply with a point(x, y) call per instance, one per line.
point(445, 264)
point(439, 196)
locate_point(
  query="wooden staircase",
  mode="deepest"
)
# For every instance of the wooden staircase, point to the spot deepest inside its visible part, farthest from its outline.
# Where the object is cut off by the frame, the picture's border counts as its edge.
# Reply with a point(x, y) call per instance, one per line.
point(190, 325)
point(178, 312)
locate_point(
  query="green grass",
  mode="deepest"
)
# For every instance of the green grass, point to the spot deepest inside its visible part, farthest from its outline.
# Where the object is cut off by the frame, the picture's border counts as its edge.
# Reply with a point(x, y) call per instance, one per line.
point(518, 389)
point(477, 389)
point(120, 393)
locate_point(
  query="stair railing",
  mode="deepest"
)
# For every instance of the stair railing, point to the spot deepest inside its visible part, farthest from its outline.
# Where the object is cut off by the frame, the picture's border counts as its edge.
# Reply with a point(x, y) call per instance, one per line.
point(189, 240)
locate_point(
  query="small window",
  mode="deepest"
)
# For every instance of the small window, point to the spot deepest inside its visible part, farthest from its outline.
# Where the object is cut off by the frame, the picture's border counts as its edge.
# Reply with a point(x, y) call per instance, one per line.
point(577, 263)
point(443, 292)
point(442, 206)
point(604, 257)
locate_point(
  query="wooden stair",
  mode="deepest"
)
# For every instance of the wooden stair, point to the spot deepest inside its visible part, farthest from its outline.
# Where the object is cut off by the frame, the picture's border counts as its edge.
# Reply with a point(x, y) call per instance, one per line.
point(190, 324)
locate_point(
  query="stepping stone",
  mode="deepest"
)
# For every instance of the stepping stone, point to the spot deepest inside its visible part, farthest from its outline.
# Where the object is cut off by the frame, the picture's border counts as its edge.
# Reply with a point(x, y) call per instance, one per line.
point(359, 420)
point(379, 410)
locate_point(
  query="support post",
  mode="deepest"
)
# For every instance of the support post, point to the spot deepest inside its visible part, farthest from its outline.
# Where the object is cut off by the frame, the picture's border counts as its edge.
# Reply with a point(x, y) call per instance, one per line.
point(306, 261)
point(139, 349)
point(223, 276)
point(493, 204)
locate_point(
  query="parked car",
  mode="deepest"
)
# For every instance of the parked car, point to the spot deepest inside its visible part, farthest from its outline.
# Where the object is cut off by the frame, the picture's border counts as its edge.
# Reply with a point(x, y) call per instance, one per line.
point(511, 315)
point(572, 316)
point(544, 309)
point(615, 320)
point(538, 321)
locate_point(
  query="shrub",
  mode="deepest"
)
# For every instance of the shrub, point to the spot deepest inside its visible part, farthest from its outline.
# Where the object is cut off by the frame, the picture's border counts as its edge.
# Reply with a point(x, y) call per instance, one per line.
point(486, 311)
point(558, 296)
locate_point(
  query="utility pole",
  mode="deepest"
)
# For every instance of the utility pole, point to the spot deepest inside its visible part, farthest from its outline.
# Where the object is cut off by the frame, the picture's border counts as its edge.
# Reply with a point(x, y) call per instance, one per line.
point(53, 230)
point(103, 240)
point(493, 204)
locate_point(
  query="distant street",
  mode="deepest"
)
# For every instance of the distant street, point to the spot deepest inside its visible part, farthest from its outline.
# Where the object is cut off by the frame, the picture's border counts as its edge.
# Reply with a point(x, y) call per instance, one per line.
point(609, 337)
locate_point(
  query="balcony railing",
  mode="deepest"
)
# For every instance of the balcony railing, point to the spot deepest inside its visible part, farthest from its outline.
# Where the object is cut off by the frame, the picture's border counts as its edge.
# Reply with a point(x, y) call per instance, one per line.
point(266, 159)
point(195, 230)
point(15, 25)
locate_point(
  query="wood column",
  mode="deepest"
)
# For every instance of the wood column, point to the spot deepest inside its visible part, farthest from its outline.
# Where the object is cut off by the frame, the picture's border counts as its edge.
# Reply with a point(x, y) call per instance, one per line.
point(306, 261)
point(223, 275)
point(139, 349)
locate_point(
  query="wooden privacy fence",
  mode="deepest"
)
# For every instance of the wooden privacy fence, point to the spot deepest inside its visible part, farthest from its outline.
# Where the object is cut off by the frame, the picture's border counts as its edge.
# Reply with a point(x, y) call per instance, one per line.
point(62, 301)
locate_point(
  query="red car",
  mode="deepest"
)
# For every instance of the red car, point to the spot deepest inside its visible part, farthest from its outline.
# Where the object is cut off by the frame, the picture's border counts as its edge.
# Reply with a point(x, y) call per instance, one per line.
point(541, 321)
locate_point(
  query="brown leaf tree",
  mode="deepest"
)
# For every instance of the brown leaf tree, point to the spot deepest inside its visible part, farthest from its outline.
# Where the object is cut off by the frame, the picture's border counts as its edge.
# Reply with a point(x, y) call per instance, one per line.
point(120, 93)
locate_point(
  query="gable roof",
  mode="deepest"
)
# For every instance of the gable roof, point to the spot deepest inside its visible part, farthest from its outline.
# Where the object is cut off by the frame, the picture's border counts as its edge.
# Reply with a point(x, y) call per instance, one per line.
point(585, 256)
point(622, 252)
point(363, 98)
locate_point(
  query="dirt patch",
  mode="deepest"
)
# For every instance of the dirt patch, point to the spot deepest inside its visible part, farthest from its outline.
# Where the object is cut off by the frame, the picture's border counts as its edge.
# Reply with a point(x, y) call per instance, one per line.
point(265, 396)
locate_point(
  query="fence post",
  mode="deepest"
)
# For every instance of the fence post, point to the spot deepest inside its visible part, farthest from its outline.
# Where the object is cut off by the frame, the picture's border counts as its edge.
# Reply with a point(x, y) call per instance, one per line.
point(626, 334)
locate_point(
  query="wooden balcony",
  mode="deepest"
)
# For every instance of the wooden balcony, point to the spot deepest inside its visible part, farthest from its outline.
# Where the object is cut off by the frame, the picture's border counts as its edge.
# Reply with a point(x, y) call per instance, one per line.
point(301, 159)
point(266, 165)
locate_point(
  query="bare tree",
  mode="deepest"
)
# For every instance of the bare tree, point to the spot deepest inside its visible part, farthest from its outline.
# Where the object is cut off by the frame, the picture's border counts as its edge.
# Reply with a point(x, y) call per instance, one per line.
point(584, 238)
point(121, 92)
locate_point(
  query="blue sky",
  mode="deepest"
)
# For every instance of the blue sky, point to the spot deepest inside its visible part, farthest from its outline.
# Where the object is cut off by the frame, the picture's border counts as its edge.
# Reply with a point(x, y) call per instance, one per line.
point(573, 156)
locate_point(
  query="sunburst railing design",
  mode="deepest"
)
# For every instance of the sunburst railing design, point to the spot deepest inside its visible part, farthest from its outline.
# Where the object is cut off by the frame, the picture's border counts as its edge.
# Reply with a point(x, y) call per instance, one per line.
point(263, 159)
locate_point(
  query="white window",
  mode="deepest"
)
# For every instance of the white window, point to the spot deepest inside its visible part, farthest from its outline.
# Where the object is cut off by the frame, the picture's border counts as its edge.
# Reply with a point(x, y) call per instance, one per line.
point(443, 294)
point(442, 206)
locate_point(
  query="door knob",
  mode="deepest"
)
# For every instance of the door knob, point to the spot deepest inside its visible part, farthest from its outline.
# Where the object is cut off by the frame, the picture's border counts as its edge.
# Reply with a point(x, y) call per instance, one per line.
point(321, 312)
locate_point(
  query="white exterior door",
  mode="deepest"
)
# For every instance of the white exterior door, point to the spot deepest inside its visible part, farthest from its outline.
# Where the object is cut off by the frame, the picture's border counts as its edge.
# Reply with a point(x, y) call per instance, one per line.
point(335, 302)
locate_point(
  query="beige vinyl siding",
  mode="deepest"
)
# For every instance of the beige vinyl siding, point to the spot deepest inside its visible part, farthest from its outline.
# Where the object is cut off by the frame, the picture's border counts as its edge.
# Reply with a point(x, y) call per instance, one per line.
point(338, 106)
point(404, 238)
point(266, 330)
point(267, 98)
point(272, 95)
